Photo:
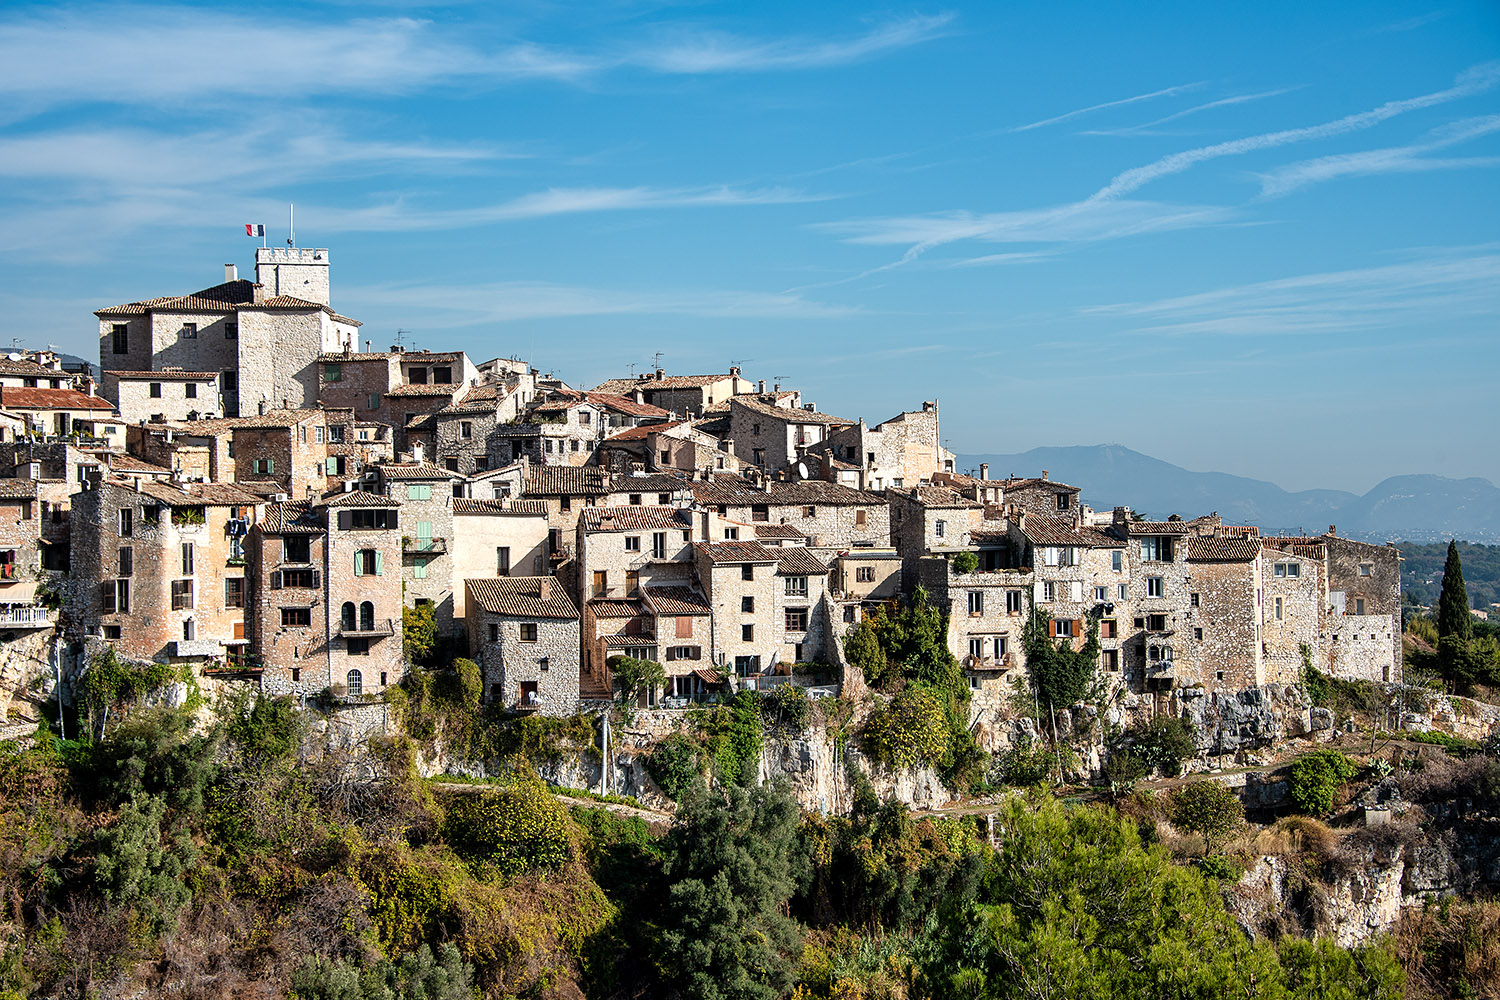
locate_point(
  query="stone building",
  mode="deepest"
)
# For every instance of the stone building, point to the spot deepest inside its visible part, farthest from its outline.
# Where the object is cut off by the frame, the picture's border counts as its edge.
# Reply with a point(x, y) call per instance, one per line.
point(170, 394)
point(830, 516)
point(325, 595)
point(684, 395)
point(905, 450)
point(359, 381)
point(35, 370)
point(1294, 583)
point(774, 437)
point(159, 568)
point(567, 492)
point(60, 412)
point(262, 338)
point(1222, 637)
point(523, 632)
point(24, 573)
point(465, 431)
point(934, 520)
point(428, 540)
point(496, 538)
point(412, 410)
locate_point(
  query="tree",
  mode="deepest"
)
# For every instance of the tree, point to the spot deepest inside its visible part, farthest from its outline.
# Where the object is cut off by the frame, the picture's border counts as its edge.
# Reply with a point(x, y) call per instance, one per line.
point(419, 632)
point(1317, 777)
point(636, 677)
point(965, 563)
point(1453, 604)
point(1209, 809)
point(1060, 675)
point(734, 859)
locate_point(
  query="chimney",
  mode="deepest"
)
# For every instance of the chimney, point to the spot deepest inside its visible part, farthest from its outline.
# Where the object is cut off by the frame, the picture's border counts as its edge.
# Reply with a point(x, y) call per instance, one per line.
point(984, 470)
point(262, 407)
point(1333, 529)
point(810, 407)
point(1044, 473)
point(231, 273)
point(416, 452)
point(761, 386)
point(544, 589)
point(661, 373)
point(734, 371)
point(774, 388)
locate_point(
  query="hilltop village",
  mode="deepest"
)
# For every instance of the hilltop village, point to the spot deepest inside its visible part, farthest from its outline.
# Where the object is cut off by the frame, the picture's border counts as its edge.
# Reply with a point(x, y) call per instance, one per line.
point(250, 491)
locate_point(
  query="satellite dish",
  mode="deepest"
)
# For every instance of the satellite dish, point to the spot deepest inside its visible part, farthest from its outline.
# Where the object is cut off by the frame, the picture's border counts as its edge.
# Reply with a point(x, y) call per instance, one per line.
point(801, 470)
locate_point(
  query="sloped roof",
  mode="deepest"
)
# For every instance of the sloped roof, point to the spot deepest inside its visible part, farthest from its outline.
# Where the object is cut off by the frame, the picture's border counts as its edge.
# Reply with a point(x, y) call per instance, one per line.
point(1041, 530)
point(520, 597)
point(797, 561)
point(738, 552)
point(432, 389)
point(170, 375)
point(470, 505)
point(657, 482)
point(642, 432)
point(359, 498)
point(820, 492)
point(415, 470)
point(777, 531)
point(786, 413)
point(1222, 549)
point(1159, 527)
point(565, 480)
point(17, 489)
point(941, 498)
point(626, 405)
point(729, 491)
point(605, 607)
point(641, 518)
point(51, 399)
point(625, 386)
point(231, 296)
point(296, 517)
point(677, 601)
point(359, 356)
point(129, 463)
point(27, 367)
point(198, 494)
point(271, 419)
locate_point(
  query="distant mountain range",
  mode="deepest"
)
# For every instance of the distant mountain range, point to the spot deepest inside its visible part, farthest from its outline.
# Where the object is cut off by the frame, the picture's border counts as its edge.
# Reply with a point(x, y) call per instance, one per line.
point(1416, 508)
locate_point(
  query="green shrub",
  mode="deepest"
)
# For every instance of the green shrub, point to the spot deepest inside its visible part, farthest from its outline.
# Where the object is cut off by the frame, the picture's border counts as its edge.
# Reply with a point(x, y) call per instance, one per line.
point(418, 976)
point(965, 563)
point(731, 735)
point(419, 634)
point(1024, 763)
point(139, 869)
point(1220, 868)
point(1316, 779)
point(636, 677)
point(519, 828)
point(911, 730)
point(1161, 743)
point(270, 729)
point(1123, 769)
point(786, 705)
point(674, 765)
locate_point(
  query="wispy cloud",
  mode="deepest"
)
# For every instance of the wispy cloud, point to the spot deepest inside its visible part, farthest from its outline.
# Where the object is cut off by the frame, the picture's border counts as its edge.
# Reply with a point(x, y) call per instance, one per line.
point(719, 52)
point(170, 55)
point(1476, 80)
point(1222, 102)
point(449, 306)
point(1396, 159)
point(1328, 303)
point(1066, 116)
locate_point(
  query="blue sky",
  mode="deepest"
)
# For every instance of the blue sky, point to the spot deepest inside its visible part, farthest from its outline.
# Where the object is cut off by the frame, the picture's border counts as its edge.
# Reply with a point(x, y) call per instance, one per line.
point(1263, 240)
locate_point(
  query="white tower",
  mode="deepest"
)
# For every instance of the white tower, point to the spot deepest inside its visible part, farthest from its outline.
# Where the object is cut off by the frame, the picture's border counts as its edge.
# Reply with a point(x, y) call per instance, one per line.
point(302, 274)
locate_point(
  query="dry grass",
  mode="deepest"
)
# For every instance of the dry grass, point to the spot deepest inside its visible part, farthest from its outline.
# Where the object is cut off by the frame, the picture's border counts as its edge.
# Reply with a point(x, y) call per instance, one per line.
point(1450, 950)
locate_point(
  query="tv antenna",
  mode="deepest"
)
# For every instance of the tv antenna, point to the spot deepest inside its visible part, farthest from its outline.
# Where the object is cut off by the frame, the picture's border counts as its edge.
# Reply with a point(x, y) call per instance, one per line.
point(401, 336)
point(291, 225)
point(656, 360)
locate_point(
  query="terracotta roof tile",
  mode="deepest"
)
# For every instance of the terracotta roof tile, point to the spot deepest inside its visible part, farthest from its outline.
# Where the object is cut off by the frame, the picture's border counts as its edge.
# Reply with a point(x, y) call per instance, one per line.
point(51, 399)
point(625, 386)
point(676, 601)
point(470, 505)
point(604, 607)
point(170, 375)
point(636, 519)
point(17, 489)
point(642, 432)
point(941, 498)
point(415, 470)
point(738, 552)
point(433, 389)
point(296, 517)
point(521, 597)
point(658, 482)
point(359, 498)
point(785, 413)
point(817, 492)
point(797, 561)
point(1222, 549)
point(565, 480)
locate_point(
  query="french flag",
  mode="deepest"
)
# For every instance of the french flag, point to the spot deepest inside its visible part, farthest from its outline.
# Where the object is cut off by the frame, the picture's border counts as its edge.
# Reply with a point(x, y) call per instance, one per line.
point(254, 230)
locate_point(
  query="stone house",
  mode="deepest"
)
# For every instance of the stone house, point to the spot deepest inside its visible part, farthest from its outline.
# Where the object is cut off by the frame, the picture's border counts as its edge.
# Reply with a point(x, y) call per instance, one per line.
point(437, 368)
point(1222, 637)
point(904, 450)
point(741, 582)
point(830, 516)
point(358, 381)
point(325, 595)
point(465, 431)
point(286, 447)
point(934, 520)
point(496, 538)
point(35, 370)
point(774, 437)
point(23, 571)
point(58, 412)
point(523, 631)
point(1294, 605)
point(159, 569)
point(169, 394)
point(636, 489)
point(567, 492)
point(428, 540)
point(412, 411)
point(685, 395)
point(263, 338)
point(987, 614)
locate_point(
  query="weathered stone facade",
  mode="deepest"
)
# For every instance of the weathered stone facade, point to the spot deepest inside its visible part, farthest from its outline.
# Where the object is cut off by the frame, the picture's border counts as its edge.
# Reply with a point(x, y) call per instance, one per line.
point(523, 632)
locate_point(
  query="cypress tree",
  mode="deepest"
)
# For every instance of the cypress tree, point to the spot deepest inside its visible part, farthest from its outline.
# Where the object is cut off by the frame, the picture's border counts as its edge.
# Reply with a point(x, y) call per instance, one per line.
point(1453, 605)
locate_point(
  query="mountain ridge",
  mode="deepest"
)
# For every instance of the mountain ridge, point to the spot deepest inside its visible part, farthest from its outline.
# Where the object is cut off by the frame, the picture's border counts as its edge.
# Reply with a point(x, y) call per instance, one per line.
point(1415, 507)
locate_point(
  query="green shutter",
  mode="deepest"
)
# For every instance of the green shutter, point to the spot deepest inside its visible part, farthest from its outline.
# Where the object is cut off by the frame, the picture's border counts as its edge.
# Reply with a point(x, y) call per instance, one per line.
point(419, 568)
point(332, 465)
point(379, 564)
point(424, 535)
point(356, 563)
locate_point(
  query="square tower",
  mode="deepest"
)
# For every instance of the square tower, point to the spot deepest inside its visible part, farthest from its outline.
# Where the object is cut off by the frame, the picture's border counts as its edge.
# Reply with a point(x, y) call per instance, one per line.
point(302, 274)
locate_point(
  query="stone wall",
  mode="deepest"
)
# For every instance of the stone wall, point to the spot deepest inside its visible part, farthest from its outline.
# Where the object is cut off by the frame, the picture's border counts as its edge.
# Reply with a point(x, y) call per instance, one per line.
point(550, 662)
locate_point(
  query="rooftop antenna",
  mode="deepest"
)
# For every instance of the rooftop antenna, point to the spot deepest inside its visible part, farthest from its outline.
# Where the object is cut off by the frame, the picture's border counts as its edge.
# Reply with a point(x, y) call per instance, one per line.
point(400, 338)
point(656, 360)
point(291, 225)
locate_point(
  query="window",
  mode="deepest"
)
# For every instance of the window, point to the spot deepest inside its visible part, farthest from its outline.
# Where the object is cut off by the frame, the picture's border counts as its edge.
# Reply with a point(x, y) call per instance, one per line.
point(565, 503)
point(358, 646)
point(1359, 605)
point(111, 631)
point(747, 633)
point(528, 631)
point(1365, 569)
point(796, 619)
point(121, 335)
point(187, 558)
point(1198, 634)
point(760, 512)
point(1101, 594)
point(263, 466)
point(1064, 501)
point(182, 595)
point(662, 499)
point(1193, 599)
point(940, 528)
point(658, 545)
point(494, 632)
point(127, 521)
point(976, 648)
point(127, 561)
point(190, 390)
point(1124, 591)
point(1111, 659)
point(229, 380)
point(190, 331)
point(573, 445)
point(364, 519)
point(1156, 586)
point(372, 402)
point(1108, 628)
point(796, 586)
point(585, 417)
point(187, 630)
point(849, 613)
point(1154, 549)
point(747, 572)
point(1063, 628)
point(601, 582)
point(632, 543)
point(116, 595)
point(860, 517)
point(299, 579)
point(1075, 591)
point(234, 592)
point(231, 331)
point(367, 562)
point(1156, 623)
point(976, 602)
point(419, 491)
point(1012, 602)
point(419, 567)
point(502, 560)
point(1000, 646)
point(809, 511)
point(333, 373)
point(296, 550)
point(354, 683)
point(442, 376)
point(481, 463)
point(864, 574)
point(1116, 560)
point(731, 534)
point(155, 390)
point(1289, 569)
point(465, 429)
point(632, 581)
point(1049, 591)
point(747, 605)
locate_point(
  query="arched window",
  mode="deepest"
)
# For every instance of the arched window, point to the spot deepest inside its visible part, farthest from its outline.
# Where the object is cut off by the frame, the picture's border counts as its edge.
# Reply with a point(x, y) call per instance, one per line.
point(1166, 652)
point(367, 617)
point(347, 616)
point(355, 682)
point(1153, 654)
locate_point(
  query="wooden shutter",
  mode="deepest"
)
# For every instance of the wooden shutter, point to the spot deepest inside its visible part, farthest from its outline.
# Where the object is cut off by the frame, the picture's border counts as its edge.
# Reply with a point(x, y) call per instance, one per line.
point(671, 653)
point(276, 579)
point(684, 627)
point(107, 591)
point(1078, 626)
point(1051, 629)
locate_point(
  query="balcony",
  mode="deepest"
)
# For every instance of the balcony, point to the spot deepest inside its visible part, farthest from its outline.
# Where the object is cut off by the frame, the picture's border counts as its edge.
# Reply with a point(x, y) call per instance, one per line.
point(423, 546)
point(367, 630)
point(20, 616)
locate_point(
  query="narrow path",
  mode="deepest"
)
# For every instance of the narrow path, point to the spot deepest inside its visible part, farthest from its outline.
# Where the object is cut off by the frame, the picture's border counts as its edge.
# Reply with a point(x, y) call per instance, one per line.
point(619, 808)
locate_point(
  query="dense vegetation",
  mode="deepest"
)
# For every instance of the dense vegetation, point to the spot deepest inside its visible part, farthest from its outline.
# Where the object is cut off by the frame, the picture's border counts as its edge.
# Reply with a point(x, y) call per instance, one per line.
point(1422, 572)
